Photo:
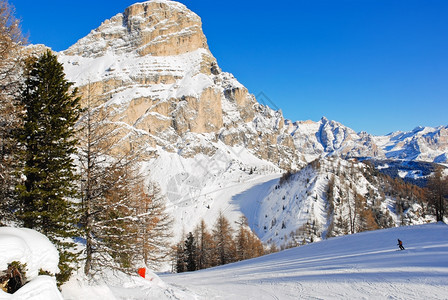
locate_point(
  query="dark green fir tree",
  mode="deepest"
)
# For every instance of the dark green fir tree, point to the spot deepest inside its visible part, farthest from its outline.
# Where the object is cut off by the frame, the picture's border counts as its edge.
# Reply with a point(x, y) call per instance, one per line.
point(51, 109)
point(191, 253)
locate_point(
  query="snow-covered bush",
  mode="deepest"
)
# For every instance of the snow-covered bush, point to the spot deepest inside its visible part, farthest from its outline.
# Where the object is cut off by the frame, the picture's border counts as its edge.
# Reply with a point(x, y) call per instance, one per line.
point(35, 253)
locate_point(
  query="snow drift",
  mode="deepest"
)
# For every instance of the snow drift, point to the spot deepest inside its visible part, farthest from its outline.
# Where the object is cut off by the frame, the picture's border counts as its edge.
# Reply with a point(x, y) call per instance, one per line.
point(38, 253)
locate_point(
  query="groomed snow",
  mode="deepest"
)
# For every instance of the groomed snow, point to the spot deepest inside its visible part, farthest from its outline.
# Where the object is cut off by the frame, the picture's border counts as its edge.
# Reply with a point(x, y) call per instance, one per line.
point(361, 266)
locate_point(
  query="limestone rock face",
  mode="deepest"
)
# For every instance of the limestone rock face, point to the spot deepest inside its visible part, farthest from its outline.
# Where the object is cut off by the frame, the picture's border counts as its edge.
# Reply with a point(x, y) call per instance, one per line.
point(34, 50)
point(158, 28)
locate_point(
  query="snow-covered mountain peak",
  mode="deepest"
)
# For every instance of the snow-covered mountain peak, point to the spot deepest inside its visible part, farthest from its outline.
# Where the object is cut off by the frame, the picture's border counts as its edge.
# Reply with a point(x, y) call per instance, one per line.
point(157, 28)
point(328, 137)
point(324, 120)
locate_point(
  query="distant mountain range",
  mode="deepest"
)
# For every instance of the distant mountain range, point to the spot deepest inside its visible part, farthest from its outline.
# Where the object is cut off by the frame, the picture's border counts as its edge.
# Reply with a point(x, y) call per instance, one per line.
point(326, 137)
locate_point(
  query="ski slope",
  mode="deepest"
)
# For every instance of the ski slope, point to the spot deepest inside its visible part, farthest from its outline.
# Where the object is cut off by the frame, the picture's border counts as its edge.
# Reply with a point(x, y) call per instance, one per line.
point(361, 266)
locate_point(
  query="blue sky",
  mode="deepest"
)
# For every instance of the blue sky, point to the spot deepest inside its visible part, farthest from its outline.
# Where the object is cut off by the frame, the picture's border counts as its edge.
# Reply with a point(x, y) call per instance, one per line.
point(373, 65)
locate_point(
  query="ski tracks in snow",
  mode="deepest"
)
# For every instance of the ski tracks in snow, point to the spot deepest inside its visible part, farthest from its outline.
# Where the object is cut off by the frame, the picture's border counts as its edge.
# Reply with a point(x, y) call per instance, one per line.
point(360, 266)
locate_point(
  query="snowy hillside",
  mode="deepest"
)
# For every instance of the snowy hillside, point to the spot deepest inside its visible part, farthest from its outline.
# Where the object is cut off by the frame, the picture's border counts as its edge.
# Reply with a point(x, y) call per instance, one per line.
point(203, 186)
point(329, 197)
point(415, 172)
point(361, 266)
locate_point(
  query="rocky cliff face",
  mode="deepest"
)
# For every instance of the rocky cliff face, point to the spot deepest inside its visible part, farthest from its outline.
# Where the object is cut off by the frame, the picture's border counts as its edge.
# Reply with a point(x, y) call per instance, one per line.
point(156, 28)
point(152, 68)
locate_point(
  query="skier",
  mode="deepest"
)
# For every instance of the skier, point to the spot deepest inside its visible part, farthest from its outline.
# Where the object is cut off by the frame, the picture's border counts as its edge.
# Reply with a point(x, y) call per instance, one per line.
point(400, 244)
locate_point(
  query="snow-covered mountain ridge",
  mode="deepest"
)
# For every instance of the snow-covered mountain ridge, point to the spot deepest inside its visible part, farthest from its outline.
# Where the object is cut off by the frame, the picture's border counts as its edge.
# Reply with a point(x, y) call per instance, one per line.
point(428, 144)
point(325, 137)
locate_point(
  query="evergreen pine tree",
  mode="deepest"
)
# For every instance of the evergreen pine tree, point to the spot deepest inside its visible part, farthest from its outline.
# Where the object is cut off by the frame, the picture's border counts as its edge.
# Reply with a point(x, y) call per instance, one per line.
point(190, 252)
point(179, 258)
point(51, 109)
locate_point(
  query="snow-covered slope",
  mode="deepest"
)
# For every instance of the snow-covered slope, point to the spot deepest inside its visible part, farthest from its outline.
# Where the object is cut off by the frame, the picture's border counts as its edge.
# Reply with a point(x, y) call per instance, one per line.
point(203, 186)
point(364, 265)
point(329, 197)
point(361, 266)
